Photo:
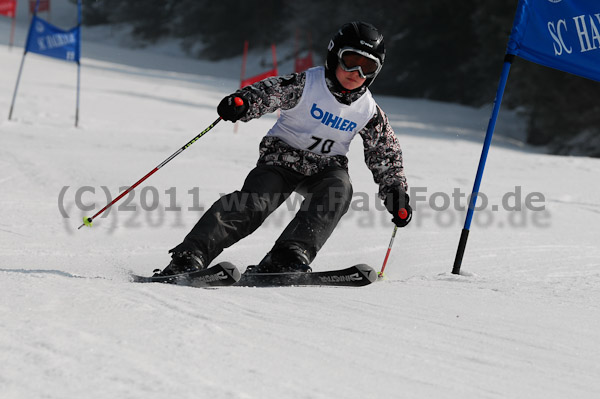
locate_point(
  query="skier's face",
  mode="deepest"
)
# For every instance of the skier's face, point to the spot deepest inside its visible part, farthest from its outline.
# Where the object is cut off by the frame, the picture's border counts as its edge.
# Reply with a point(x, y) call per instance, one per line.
point(350, 80)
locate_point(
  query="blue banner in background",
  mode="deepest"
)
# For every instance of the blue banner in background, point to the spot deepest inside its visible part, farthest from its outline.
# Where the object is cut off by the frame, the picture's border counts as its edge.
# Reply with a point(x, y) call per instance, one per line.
point(47, 39)
point(561, 34)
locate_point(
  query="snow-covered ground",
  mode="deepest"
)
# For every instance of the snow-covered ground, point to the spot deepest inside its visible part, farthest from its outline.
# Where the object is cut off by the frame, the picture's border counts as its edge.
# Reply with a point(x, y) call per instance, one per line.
point(522, 322)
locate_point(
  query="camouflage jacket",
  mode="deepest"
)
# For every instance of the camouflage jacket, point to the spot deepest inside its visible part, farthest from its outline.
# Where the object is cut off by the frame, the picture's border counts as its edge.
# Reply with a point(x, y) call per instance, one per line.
point(383, 154)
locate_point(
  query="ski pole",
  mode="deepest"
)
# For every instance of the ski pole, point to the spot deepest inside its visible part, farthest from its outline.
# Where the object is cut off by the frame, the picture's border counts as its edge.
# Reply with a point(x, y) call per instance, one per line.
point(87, 221)
point(403, 215)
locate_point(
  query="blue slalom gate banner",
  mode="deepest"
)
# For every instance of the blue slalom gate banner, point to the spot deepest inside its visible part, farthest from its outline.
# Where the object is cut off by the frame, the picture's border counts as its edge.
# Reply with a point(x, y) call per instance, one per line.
point(561, 34)
point(46, 39)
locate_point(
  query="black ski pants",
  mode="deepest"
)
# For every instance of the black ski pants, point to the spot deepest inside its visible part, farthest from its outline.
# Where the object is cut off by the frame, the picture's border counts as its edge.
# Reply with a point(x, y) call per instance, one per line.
point(327, 197)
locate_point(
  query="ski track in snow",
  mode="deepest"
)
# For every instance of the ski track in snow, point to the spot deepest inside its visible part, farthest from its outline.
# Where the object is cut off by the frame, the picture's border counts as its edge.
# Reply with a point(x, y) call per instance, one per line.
point(521, 322)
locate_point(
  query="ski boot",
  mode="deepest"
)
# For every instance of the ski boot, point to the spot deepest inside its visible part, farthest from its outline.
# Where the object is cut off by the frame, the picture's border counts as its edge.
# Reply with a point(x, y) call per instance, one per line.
point(289, 259)
point(182, 262)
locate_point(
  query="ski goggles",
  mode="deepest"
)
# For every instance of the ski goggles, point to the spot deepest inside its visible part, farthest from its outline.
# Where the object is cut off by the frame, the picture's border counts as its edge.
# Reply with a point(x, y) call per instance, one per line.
point(351, 59)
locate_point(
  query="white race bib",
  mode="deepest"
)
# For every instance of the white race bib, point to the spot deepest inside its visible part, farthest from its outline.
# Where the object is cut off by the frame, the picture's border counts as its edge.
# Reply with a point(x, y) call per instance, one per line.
point(319, 123)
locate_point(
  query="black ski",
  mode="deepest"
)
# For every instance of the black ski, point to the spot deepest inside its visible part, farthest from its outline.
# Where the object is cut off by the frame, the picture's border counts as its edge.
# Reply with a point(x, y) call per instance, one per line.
point(219, 275)
point(353, 276)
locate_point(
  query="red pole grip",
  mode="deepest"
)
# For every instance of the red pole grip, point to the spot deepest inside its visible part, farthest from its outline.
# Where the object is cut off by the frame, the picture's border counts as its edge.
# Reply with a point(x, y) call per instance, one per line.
point(402, 213)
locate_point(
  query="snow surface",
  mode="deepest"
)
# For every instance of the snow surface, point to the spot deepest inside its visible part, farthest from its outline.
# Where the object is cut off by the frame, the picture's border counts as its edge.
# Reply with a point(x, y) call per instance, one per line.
point(521, 322)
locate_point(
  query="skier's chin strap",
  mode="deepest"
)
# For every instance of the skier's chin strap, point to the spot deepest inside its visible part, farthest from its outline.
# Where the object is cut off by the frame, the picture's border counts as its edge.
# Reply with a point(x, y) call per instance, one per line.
point(343, 95)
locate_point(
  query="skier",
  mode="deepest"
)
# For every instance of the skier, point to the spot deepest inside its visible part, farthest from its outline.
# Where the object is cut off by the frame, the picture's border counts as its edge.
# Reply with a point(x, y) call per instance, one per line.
point(322, 110)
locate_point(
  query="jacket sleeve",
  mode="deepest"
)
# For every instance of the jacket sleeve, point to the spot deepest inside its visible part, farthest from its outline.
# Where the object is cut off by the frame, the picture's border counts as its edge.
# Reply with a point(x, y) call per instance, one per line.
point(383, 154)
point(271, 94)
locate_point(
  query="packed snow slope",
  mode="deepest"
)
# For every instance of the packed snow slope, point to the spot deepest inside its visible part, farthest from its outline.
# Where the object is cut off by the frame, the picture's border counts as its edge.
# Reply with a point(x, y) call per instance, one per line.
point(521, 322)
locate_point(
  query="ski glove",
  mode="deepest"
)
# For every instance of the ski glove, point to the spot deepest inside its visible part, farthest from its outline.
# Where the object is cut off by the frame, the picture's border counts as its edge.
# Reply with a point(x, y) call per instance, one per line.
point(397, 203)
point(233, 107)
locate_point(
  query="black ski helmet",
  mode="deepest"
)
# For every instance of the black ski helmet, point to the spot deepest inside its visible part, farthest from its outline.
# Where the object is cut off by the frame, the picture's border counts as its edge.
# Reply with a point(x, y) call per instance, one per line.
point(360, 36)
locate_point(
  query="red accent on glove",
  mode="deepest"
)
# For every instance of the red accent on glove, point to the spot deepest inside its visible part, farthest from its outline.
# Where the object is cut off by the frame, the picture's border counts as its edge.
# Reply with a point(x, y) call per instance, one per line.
point(402, 214)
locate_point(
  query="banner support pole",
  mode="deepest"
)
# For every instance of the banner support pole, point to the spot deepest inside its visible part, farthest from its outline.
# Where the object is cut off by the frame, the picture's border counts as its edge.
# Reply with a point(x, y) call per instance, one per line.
point(77, 101)
point(78, 62)
point(12, 104)
point(508, 60)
